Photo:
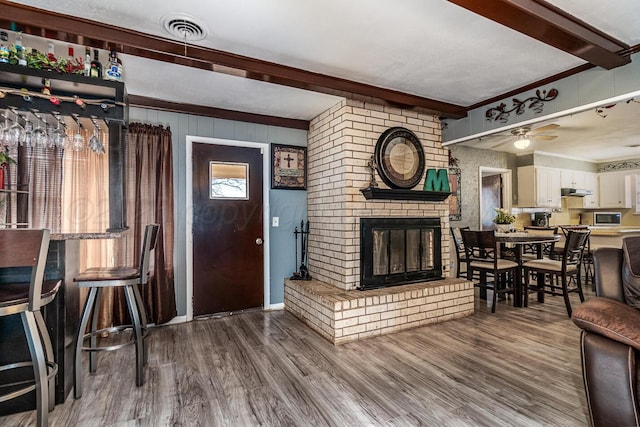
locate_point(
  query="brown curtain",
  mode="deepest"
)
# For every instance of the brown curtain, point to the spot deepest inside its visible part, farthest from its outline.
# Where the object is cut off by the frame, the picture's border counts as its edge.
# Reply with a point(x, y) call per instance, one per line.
point(149, 199)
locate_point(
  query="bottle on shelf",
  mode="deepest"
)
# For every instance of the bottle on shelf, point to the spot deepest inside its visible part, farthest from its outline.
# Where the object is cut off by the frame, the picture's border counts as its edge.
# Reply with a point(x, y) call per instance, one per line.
point(113, 70)
point(4, 54)
point(51, 52)
point(20, 50)
point(96, 65)
point(87, 62)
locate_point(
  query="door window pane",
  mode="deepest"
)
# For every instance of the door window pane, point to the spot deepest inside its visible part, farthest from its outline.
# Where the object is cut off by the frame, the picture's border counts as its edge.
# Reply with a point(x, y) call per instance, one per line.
point(229, 180)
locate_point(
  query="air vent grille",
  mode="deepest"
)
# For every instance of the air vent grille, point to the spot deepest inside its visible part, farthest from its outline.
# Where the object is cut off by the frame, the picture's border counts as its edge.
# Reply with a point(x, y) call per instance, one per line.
point(184, 27)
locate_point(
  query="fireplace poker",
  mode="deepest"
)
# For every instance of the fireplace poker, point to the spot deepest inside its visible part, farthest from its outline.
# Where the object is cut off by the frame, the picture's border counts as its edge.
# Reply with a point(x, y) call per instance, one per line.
point(296, 274)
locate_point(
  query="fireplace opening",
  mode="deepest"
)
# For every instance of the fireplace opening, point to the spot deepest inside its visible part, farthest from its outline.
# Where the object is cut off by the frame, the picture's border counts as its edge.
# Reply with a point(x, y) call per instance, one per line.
point(396, 251)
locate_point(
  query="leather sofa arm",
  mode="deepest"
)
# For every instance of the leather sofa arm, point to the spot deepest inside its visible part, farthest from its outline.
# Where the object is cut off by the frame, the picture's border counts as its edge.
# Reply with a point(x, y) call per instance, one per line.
point(607, 265)
point(609, 318)
point(611, 332)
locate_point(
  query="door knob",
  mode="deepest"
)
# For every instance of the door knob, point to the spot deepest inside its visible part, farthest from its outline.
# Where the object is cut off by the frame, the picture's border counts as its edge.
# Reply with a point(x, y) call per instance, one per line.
point(258, 241)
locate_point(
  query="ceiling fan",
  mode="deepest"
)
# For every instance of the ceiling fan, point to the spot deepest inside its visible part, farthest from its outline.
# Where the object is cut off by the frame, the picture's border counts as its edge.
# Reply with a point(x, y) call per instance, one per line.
point(525, 134)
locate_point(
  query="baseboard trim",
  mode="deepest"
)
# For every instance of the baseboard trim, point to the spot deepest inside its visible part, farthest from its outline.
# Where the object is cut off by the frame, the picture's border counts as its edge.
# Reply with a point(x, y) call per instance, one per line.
point(279, 306)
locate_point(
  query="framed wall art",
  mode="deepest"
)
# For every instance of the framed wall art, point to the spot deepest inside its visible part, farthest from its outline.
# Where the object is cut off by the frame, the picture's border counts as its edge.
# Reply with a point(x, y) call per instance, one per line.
point(288, 167)
point(455, 207)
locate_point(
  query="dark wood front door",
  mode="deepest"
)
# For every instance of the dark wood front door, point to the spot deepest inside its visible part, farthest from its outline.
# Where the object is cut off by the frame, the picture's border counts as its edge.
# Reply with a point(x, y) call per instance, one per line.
point(228, 263)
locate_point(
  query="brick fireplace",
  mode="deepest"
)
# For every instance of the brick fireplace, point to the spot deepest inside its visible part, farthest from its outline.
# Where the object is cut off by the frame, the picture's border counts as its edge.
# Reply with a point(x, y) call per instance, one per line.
point(341, 142)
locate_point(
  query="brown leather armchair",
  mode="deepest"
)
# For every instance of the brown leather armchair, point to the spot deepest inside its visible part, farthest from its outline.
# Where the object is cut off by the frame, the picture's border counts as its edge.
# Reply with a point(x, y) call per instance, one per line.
point(610, 345)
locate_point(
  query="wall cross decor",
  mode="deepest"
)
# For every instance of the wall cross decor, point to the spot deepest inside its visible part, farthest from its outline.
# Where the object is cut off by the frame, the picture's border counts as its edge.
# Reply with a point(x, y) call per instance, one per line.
point(536, 103)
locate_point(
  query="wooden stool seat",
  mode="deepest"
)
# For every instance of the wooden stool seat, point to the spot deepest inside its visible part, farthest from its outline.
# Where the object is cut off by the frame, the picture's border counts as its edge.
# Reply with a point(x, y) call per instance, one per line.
point(100, 274)
point(16, 295)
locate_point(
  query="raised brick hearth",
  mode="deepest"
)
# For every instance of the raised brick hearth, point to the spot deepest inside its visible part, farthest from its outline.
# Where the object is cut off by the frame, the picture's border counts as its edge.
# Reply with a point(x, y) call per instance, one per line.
point(342, 316)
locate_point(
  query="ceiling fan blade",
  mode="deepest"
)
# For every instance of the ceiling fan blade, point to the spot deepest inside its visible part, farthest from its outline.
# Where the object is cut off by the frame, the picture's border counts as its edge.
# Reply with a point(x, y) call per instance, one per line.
point(509, 141)
point(544, 137)
point(544, 128)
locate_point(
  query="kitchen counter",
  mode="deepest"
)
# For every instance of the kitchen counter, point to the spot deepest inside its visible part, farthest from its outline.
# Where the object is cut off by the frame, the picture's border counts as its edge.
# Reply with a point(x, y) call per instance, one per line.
point(88, 235)
point(619, 231)
point(603, 236)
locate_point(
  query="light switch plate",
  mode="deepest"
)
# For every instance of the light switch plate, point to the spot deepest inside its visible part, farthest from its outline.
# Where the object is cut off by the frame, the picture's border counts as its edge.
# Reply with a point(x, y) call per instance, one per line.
point(275, 221)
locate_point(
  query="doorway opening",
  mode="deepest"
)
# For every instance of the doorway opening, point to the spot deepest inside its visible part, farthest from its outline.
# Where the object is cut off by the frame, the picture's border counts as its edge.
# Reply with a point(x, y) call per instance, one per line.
point(495, 191)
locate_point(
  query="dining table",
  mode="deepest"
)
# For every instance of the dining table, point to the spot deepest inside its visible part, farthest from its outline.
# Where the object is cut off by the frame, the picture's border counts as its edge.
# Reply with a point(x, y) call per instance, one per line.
point(513, 243)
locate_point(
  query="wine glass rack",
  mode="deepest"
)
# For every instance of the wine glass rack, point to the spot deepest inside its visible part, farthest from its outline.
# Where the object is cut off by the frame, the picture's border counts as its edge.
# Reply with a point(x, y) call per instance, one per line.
point(74, 97)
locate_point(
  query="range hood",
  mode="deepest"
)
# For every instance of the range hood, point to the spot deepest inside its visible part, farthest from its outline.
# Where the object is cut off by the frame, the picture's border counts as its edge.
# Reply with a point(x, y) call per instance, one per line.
point(575, 192)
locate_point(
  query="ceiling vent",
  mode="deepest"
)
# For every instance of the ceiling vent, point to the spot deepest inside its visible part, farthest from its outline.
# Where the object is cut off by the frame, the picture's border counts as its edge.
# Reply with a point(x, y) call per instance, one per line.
point(184, 27)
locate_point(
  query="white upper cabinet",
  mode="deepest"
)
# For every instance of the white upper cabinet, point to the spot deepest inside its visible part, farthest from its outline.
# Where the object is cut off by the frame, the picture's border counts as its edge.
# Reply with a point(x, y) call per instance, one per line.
point(539, 187)
point(591, 183)
point(615, 189)
point(573, 179)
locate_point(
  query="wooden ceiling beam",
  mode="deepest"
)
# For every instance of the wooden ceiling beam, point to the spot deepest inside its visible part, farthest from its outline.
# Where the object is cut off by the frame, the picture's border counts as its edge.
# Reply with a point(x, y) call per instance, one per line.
point(553, 26)
point(70, 28)
point(219, 113)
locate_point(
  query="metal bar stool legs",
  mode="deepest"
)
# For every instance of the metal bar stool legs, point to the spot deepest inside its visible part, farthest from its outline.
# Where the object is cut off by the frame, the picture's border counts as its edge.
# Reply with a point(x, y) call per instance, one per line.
point(91, 309)
point(137, 333)
point(39, 367)
point(48, 353)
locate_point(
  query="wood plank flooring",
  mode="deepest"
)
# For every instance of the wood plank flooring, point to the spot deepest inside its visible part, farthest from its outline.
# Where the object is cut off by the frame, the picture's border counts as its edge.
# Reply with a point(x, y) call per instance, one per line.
point(517, 367)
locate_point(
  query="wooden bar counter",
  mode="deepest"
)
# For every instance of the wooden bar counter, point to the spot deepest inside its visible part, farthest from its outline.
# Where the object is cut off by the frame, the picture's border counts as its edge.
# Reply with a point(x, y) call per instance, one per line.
point(61, 316)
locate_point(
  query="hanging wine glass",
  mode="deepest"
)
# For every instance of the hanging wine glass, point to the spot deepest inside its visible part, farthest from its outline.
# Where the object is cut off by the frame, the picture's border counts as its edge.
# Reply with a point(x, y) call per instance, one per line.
point(95, 144)
point(39, 134)
point(27, 134)
point(4, 134)
point(59, 134)
point(15, 131)
point(77, 141)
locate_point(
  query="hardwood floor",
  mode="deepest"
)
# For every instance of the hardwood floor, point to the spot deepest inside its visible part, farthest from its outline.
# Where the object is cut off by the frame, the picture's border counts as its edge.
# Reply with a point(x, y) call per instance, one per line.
point(517, 367)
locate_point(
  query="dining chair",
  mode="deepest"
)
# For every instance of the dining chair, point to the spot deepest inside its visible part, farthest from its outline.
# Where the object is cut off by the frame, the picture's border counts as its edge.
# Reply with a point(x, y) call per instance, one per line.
point(561, 270)
point(28, 248)
point(587, 260)
point(530, 252)
point(128, 278)
point(483, 255)
point(461, 260)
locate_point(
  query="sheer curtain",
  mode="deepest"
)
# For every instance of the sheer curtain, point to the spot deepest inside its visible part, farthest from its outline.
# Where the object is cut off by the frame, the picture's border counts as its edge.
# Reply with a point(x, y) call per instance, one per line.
point(38, 175)
point(149, 198)
point(85, 208)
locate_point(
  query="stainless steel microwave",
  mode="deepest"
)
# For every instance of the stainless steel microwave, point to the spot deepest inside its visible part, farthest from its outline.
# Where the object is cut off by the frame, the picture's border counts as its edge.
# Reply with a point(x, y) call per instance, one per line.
point(611, 219)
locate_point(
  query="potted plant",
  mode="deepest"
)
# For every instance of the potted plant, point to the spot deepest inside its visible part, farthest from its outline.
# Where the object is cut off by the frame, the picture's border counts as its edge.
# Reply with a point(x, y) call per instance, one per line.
point(5, 160)
point(503, 220)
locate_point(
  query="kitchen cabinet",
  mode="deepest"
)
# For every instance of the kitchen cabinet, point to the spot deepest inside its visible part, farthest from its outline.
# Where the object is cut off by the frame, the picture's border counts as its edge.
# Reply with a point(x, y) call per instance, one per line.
point(615, 189)
point(591, 183)
point(583, 181)
point(573, 179)
point(539, 187)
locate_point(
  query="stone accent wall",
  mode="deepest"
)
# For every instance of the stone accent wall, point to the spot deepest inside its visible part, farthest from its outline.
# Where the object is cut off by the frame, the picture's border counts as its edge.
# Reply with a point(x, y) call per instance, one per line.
point(342, 316)
point(340, 143)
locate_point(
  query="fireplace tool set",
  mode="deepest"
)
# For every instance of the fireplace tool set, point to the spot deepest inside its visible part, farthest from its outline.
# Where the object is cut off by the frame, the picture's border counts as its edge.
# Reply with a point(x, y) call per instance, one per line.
point(302, 272)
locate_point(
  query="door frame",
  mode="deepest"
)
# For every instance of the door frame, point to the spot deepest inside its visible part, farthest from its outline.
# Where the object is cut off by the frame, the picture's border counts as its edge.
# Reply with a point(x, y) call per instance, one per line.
point(506, 188)
point(264, 147)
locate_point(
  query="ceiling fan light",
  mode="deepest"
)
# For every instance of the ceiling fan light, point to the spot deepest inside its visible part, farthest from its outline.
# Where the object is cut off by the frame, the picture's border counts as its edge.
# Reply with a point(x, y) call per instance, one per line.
point(521, 143)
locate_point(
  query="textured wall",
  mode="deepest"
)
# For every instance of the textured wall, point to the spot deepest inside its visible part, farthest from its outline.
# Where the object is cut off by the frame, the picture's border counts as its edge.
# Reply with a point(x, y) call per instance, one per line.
point(470, 161)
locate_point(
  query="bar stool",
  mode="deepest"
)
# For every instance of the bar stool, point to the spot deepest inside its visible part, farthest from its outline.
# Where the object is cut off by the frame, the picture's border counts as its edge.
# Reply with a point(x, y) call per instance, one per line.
point(128, 278)
point(28, 248)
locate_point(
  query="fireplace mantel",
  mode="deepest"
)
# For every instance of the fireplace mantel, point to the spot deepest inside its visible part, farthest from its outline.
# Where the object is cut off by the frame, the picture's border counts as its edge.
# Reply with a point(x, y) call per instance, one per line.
point(374, 193)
